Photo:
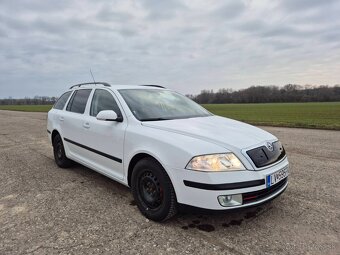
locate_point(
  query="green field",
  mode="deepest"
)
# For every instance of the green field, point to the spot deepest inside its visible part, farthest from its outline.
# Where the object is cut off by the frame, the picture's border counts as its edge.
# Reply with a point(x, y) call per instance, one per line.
point(304, 115)
point(26, 108)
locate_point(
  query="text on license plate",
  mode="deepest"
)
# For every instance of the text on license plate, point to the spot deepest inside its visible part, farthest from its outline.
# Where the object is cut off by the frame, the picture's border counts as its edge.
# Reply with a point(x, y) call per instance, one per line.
point(276, 177)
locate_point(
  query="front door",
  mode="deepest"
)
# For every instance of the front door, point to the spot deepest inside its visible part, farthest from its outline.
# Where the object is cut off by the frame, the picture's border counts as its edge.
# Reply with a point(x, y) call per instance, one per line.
point(105, 138)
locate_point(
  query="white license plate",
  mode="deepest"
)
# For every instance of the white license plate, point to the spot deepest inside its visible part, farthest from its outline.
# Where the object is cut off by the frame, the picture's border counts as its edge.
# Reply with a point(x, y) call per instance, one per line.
point(276, 177)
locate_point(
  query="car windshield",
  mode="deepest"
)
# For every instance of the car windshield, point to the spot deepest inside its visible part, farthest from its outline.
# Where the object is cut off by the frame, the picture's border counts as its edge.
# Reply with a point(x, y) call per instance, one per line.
point(159, 104)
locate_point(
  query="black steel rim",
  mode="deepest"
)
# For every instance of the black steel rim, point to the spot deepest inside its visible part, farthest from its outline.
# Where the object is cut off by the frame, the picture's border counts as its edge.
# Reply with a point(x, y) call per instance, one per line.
point(150, 190)
point(59, 151)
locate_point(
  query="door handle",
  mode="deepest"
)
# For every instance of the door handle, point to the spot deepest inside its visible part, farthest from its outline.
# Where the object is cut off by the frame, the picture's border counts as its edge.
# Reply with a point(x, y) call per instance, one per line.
point(86, 125)
point(61, 118)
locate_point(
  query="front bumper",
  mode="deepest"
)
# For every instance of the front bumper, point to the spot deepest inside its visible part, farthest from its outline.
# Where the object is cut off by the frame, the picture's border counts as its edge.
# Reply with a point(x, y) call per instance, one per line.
point(201, 189)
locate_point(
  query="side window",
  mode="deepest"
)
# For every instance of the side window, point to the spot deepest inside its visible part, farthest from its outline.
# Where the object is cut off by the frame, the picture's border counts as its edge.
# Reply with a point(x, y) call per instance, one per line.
point(62, 101)
point(103, 100)
point(78, 101)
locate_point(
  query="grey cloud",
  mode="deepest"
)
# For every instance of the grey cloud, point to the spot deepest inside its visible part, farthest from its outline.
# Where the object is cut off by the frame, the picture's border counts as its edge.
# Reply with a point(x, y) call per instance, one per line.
point(162, 10)
point(284, 31)
point(46, 47)
point(252, 26)
point(49, 27)
point(331, 36)
point(189, 30)
point(108, 15)
point(281, 45)
point(9, 22)
point(127, 32)
point(303, 5)
point(21, 26)
point(230, 10)
point(3, 33)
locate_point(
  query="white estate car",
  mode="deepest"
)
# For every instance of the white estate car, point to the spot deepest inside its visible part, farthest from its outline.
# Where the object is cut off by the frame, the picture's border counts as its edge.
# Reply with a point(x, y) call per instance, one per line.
point(167, 148)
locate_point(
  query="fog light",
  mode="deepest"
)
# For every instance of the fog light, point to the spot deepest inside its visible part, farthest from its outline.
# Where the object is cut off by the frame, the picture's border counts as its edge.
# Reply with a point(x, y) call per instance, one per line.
point(230, 200)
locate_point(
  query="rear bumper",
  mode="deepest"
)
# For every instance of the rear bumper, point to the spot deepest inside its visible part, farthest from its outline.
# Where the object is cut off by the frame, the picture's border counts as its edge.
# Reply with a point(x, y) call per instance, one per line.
point(201, 189)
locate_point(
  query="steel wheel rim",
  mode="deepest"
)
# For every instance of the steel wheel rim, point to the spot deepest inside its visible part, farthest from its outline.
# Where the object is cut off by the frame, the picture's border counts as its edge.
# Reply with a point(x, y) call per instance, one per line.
point(150, 190)
point(59, 151)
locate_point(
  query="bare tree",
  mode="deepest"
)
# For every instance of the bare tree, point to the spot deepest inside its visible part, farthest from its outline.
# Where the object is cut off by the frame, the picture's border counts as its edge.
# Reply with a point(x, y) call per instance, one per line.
point(270, 94)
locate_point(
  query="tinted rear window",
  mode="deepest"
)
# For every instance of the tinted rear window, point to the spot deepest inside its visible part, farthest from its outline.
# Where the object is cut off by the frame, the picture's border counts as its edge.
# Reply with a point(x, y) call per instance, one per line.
point(62, 101)
point(78, 101)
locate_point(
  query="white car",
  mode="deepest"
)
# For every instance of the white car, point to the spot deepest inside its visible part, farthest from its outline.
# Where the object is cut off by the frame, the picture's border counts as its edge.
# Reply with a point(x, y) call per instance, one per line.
point(167, 148)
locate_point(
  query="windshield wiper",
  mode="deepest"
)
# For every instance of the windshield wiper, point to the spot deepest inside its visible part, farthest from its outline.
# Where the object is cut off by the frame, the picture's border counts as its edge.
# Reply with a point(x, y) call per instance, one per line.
point(154, 119)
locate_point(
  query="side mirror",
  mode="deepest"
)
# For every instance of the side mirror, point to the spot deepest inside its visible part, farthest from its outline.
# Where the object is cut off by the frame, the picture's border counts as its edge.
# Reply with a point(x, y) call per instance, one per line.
point(108, 115)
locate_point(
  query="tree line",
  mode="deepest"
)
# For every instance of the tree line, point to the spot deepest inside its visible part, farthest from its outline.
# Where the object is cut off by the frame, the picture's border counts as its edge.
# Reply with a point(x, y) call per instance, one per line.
point(253, 94)
point(270, 94)
point(37, 100)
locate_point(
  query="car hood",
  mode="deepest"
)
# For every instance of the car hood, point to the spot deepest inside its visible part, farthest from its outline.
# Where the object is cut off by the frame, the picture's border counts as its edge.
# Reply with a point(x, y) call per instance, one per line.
point(225, 132)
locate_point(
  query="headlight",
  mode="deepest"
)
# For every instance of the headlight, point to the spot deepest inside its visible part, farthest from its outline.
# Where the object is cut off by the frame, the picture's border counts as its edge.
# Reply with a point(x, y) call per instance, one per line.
point(215, 162)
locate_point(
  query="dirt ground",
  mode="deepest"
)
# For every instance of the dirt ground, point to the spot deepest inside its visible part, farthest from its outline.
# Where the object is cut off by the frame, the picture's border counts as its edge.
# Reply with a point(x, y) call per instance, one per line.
point(48, 210)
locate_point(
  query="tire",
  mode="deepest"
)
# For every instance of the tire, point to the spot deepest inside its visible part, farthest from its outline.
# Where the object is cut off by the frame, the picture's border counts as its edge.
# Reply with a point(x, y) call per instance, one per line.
point(59, 153)
point(153, 191)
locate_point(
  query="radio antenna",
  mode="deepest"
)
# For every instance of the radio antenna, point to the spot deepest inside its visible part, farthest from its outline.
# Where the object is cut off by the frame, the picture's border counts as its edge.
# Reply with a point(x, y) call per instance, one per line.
point(92, 76)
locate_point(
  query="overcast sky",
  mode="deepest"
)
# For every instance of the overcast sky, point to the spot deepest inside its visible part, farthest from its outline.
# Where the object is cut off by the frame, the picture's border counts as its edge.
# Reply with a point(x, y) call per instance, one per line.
point(46, 46)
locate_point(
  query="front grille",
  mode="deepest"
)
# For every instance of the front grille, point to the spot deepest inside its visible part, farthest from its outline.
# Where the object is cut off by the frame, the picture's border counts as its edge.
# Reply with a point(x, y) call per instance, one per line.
point(262, 156)
point(254, 196)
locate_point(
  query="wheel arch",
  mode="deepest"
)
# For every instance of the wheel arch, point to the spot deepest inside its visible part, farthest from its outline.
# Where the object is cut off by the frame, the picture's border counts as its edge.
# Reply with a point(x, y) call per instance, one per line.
point(136, 158)
point(54, 133)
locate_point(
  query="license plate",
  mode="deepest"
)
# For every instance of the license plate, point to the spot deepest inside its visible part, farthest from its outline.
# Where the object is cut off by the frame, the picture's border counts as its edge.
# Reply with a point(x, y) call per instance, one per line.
point(276, 177)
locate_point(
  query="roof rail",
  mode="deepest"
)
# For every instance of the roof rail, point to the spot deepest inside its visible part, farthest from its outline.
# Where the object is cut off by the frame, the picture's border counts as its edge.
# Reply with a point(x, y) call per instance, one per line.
point(156, 86)
point(91, 83)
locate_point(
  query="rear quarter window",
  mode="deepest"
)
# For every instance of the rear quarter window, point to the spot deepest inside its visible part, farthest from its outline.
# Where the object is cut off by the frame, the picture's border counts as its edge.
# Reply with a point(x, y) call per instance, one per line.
point(59, 105)
point(78, 101)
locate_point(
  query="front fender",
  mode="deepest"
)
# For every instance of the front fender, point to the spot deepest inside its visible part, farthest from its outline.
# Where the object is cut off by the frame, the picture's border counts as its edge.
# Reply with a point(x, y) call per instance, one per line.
point(171, 150)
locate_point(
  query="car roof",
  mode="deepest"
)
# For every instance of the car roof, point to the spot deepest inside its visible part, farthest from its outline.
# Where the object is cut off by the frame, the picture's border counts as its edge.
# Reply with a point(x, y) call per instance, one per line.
point(92, 85)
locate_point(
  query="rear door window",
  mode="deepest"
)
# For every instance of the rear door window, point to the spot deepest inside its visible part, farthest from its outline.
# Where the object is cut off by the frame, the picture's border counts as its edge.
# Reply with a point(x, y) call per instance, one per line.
point(78, 101)
point(62, 101)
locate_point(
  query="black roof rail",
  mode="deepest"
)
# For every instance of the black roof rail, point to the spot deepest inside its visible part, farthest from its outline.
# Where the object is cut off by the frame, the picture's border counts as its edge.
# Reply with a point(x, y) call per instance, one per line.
point(156, 86)
point(91, 83)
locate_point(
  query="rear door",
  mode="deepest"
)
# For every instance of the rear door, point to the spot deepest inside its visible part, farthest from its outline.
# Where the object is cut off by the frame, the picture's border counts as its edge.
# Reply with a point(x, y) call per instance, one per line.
point(105, 138)
point(56, 114)
point(72, 128)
